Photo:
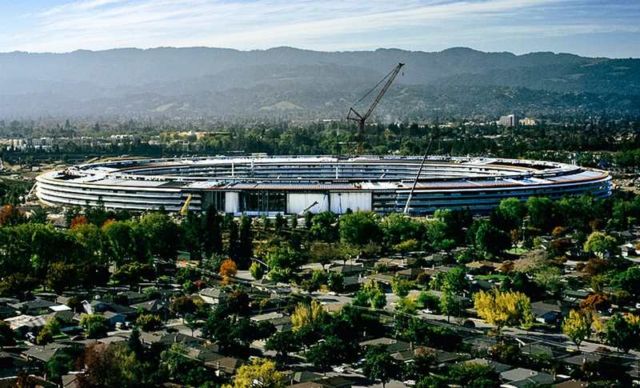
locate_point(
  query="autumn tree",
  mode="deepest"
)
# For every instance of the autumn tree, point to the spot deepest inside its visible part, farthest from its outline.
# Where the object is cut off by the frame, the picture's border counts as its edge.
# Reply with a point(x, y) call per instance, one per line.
point(307, 315)
point(228, 269)
point(259, 373)
point(77, 221)
point(577, 326)
point(501, 309)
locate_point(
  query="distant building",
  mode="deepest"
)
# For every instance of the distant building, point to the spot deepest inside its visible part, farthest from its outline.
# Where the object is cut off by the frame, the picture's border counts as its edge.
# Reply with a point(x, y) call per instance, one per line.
point(527, 122)
point(508, 121)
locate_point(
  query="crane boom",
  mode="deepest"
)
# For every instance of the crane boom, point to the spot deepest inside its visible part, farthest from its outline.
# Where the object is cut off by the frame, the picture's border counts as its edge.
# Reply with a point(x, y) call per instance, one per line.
point(361, 119)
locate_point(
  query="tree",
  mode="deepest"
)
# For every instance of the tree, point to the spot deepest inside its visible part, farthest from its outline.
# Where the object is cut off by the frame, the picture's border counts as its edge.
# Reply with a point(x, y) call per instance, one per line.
point(325, 353)
point(245, 241)
point(212, 232)
point(541, 212)
point(193, 235)
point(371, 295)
point(596, 302)
point(473, 375)
point(549, 278)
point(233, 245)
point(61, 276)
point(510, 213)
point(577, 326)
point(183, 305)
point(324, 253)
point(379, 365)
point(149, 322)
point(450, 303)
point(94, 325)
point(259, 373)
point(180, 367)
point(601, 244)
point(134, 343)
point(7, 335)
point(228, 269)
point(282, 343)
point(162, 234)
point(256, 270)
point(623, 332)
point(61, 363)
point(359, 228)
point(503, 308)
point(50, 329)
point(491, 240)
point(400, 287)
point(455, 280)
point(10, 215)
point(323, 226)
point(396, 229)
point(120, 240)
point(629, 281)
point(311, 315)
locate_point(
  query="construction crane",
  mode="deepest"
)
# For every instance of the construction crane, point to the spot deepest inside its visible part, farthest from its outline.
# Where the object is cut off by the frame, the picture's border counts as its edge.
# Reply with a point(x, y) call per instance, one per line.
point(361, 119)
point(185, 208)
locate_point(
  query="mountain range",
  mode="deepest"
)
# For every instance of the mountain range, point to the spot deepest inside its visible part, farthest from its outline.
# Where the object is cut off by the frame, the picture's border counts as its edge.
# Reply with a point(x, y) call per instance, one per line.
point(289, 83)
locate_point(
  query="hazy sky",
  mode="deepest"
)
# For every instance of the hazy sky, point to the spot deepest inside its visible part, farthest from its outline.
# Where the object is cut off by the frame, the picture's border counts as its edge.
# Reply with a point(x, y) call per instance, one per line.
point(587, 27)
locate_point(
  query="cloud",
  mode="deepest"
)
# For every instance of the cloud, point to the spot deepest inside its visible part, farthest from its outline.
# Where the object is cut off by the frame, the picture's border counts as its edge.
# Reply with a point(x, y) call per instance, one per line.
point(328, 24)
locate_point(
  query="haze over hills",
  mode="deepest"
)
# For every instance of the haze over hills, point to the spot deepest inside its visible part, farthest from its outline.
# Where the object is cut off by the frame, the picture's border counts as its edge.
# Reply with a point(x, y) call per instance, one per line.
point(186, 83)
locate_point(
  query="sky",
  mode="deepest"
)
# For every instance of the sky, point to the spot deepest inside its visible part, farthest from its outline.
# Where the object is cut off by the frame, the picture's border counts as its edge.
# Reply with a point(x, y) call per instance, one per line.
point(585, 27)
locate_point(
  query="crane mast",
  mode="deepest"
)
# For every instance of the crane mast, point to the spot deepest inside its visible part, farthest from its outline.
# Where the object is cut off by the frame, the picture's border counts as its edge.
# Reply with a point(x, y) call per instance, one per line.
point(361, 119)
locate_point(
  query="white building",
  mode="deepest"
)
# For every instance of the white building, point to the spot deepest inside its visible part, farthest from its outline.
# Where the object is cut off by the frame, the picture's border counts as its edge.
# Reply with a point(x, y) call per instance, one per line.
point(508, 121)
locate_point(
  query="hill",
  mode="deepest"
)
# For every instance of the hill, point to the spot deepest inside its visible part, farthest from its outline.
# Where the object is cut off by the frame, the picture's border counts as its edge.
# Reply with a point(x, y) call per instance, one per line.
point(187, 83)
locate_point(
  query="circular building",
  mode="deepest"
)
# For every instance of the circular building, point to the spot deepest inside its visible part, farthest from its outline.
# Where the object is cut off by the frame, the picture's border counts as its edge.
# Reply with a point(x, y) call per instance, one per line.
point(296, 184)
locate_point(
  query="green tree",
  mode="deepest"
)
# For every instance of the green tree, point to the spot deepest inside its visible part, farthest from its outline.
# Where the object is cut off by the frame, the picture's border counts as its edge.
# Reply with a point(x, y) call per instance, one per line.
point(549, 278)
point(324, 227)
point(541, 212)
point(628, 280)
point(245, 242)
point(491, 240)
point(193, 235)
point(282, 342)
point(510, 214)
point(601, 244)
point(379, 365)
point(120, 241)
point(622, 333)
point(400, 287)
point(149, 322)
point(162, 234)
point(396, 228)
point(256, 270)
point(7, 335)
point(359, 228)
point(212, 232)
point(60, 364)
point(61, 276)
point(473, 375)
point(450, 303)
point(94, 325)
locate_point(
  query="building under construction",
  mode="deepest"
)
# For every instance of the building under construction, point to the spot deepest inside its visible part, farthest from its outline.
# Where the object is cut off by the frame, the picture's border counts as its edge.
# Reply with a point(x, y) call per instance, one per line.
point(294, 185)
